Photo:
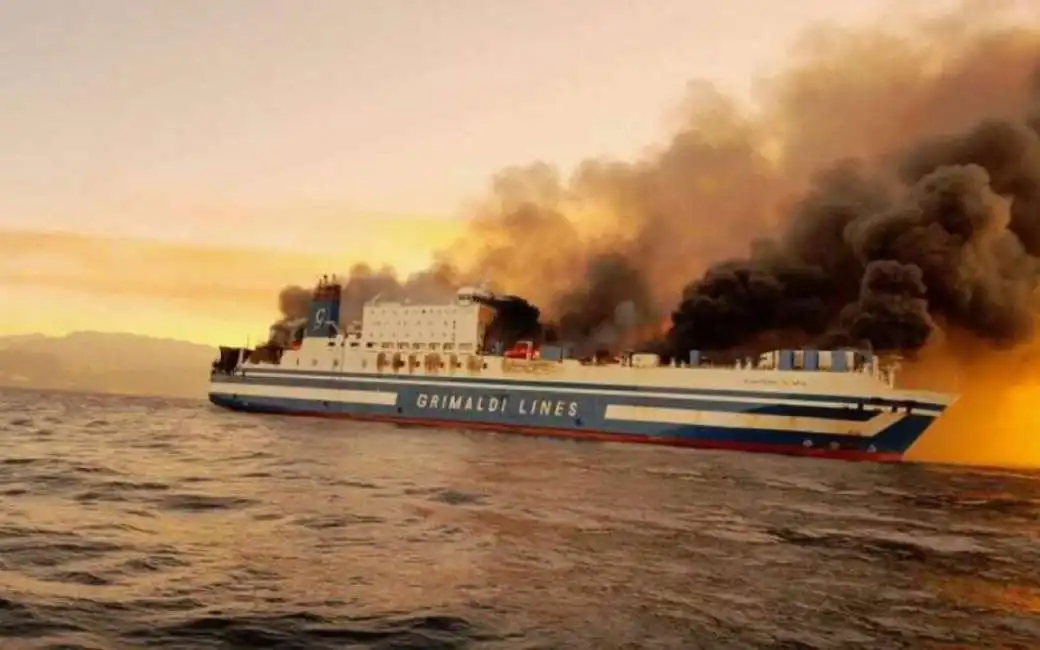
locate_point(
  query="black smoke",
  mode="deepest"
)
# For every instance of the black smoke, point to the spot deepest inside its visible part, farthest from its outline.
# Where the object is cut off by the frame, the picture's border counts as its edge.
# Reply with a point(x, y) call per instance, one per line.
point(868, 261)
point(515, 320)
point(607, 308)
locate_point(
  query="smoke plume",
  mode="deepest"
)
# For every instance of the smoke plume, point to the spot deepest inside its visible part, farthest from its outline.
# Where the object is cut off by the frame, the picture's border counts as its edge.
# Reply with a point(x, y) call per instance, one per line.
point(293, 302)
point(883, 187)
point(515, 320)
point(363, 284)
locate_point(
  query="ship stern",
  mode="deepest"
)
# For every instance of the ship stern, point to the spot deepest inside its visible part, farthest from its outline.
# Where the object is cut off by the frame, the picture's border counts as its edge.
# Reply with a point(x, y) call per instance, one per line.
point(221, 376)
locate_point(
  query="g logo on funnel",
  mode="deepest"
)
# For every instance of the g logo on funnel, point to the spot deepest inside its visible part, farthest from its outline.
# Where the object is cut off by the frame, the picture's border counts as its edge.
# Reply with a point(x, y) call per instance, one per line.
point(321, 317)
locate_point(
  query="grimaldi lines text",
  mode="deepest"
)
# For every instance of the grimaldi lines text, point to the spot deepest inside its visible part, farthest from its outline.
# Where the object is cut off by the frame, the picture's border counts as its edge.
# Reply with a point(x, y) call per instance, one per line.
point(521, 407)
point(433, 365)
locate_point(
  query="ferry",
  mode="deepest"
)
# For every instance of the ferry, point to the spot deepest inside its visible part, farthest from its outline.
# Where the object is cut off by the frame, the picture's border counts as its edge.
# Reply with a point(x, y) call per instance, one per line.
point(429, 365)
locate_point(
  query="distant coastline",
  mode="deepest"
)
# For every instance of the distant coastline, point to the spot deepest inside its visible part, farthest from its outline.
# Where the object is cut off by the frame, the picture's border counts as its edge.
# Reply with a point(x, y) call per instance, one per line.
point(107, 363)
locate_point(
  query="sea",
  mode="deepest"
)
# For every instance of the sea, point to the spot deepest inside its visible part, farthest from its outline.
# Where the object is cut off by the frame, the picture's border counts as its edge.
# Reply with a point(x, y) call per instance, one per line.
point(154, 523)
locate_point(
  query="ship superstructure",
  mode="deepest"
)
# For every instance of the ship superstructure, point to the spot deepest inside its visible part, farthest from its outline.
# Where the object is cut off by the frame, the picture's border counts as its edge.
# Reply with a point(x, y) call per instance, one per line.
point(431, 364)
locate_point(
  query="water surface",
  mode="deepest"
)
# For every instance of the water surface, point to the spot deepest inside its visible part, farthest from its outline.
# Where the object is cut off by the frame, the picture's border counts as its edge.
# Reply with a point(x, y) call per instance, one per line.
point(147, 523)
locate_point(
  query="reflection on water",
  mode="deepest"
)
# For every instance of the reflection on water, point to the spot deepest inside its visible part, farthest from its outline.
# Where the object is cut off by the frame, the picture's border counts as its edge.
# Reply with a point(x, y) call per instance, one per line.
point(1011, 598)
point(138, 522)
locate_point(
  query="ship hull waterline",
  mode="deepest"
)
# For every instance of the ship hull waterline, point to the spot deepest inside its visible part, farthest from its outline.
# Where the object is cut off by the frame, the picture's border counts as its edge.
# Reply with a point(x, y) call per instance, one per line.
point(892, 443)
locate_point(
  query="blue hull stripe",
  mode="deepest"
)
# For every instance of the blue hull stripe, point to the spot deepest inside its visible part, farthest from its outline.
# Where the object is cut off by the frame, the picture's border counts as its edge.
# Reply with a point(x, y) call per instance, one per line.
point(754, 405)
point(269, 375)
point(572, 412)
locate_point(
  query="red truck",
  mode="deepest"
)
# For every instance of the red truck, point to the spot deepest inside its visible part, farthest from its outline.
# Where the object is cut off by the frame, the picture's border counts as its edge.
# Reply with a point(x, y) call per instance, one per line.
point(522, 350)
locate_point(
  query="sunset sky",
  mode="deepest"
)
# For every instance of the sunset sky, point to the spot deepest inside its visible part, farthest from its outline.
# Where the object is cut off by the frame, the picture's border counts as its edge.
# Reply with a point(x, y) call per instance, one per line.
point(167, 166)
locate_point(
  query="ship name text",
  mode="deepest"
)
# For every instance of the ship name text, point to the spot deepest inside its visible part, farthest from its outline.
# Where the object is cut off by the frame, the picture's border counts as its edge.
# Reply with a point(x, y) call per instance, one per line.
point(493, 404)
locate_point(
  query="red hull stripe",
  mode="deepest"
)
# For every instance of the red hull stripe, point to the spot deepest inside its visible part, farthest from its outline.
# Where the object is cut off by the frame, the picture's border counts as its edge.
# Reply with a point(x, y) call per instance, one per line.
point(787, 450)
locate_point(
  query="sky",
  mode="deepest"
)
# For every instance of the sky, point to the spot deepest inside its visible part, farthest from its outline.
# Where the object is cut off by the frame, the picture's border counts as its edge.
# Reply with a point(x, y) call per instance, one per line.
point(167, 166)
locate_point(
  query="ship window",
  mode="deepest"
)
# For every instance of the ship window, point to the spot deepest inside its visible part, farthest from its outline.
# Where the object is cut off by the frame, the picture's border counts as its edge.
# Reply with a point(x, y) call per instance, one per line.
point(370, 345)
point(335, 363)
point(356, 344)
point(449, 346)
point(434, 346)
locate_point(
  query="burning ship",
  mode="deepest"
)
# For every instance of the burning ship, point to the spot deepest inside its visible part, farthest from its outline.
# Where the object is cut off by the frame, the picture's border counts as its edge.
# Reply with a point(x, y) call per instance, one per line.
point(431, 364)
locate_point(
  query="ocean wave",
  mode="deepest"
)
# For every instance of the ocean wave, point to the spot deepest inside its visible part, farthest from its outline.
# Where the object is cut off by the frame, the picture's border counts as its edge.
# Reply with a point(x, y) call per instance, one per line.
point(168, 524)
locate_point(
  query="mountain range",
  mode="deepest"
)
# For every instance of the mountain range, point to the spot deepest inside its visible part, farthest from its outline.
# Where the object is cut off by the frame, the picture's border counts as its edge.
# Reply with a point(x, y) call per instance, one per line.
point(106, 363)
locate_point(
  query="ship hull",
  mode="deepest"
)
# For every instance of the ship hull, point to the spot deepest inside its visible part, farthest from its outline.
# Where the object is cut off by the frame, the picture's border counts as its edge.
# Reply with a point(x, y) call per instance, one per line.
point(824, 426)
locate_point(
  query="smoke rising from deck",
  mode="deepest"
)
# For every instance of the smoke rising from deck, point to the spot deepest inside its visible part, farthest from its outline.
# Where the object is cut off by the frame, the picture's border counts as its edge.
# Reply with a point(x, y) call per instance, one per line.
point(885, 185)
point(515, 320)
point(363, 284)
point(293, 302)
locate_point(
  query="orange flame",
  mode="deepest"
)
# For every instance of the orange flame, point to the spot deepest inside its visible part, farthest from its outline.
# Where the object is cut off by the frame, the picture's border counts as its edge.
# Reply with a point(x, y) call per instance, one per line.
point(996, 421)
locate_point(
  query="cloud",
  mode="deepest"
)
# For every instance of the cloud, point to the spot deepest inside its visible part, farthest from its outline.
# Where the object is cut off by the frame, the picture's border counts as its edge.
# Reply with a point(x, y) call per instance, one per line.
point(199, 277)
